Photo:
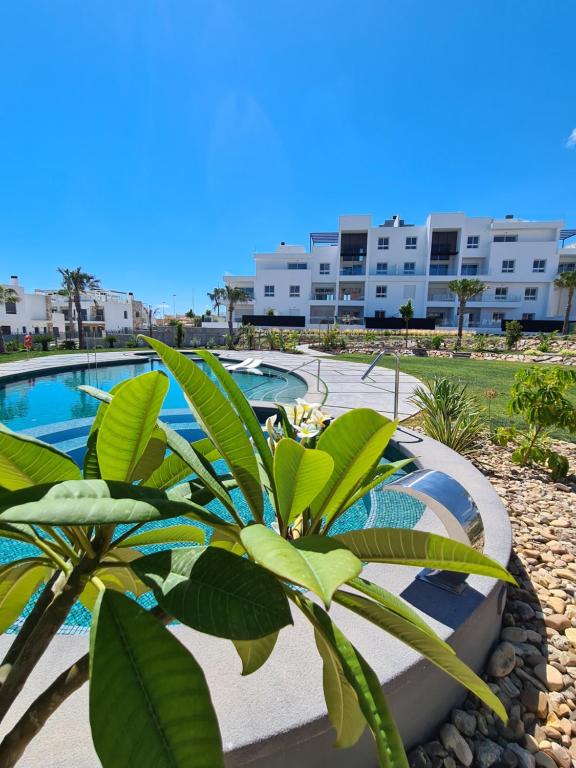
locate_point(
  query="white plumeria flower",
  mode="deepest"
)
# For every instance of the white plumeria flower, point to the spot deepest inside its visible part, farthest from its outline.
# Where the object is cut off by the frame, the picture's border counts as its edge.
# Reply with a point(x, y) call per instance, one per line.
point(306, 430)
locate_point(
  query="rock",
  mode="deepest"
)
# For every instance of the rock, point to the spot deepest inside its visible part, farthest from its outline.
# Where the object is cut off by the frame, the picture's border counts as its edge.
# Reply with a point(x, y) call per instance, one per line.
point(544, 760)
point(464, 721)
point(449, 762)
point(502, 661)
point(534, 700)
point(560, 755)
point(557, 604)
point(456, 743)
point(525, 758)
point(557, 621)
point(487, 753)
point(419, 759)
point(509, 759)
point(550, 676)
point(514, 634)
point(560, 522)
point(571, 635)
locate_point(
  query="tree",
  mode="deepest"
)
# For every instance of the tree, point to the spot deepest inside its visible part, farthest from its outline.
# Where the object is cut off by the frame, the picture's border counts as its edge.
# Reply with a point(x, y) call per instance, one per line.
point(217, 297)
point(567, 280)
point(81, 282)
point(68, 291)
point(465, 290)
point(6, 295)
point(513, 333)
point(406, 313)
point(230, 295)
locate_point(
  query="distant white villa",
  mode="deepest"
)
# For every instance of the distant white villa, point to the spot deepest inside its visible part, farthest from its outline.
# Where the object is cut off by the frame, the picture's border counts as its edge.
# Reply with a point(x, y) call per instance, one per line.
point(363, 271)
point(45, 311)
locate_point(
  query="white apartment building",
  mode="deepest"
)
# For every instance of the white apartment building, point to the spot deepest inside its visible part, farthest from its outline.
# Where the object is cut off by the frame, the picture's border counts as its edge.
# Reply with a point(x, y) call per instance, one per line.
point(364, 271)
point(46, 311)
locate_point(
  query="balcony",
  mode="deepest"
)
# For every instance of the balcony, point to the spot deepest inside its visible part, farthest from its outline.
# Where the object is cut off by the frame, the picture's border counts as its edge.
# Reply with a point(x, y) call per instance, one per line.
point(396, 270)
point(323, 297)
point(485, 298)
point(352, 297)
point(355, 270)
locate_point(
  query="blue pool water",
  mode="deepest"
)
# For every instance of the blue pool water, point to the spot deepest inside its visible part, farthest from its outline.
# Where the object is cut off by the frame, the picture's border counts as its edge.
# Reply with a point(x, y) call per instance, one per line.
point(52, 409)
point(46, 399)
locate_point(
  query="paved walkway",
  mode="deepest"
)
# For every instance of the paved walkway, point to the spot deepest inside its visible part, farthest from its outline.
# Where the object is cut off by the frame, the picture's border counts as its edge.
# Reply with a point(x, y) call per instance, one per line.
point(336, 382)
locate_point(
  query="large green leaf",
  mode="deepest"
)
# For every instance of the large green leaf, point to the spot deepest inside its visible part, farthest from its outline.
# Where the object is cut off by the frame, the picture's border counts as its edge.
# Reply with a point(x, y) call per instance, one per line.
point(380, 475)
point(216, 592)
point(242, 406)
point(165, 535)
point(91, 467)
point(315, 562)
point(25, 461)
point(432, 648)
point(255, 653)
point(149, 702)
point(418, 548)
point(299, 475)
point(92, 502)
point(128, 423)
point(174, 469)
point(152, 457)
point(341, 700)
point(199, 465)
point(356, 442)
point(18, 582)
point(366, 685)
point(219, 421)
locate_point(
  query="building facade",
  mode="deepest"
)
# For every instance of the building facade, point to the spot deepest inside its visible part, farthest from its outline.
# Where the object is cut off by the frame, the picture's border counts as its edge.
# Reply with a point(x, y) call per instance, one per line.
point(46, 311)
point(364, 271)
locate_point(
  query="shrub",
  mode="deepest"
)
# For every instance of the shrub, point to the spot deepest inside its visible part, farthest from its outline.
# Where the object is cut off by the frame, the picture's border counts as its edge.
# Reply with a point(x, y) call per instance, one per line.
point(12, 346)
point(545, 341)
point(244, 589)
point(436, 341)
point(44, 339)
point(480, 342)
point(179, 334)
point(538, 395)
point(450, 414)
point(110, 340)
point(513, 333)
point(68, 344)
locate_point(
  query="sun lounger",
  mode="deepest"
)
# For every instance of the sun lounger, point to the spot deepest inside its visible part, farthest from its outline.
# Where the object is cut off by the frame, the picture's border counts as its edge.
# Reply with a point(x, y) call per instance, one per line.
point(236, 366)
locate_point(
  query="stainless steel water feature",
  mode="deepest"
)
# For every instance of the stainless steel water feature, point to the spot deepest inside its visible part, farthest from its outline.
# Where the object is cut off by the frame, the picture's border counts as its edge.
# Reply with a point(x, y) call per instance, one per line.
point(457, 511)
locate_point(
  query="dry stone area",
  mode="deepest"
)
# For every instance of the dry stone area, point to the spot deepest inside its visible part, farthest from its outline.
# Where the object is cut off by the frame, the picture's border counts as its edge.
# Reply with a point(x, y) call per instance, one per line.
point(532, 669)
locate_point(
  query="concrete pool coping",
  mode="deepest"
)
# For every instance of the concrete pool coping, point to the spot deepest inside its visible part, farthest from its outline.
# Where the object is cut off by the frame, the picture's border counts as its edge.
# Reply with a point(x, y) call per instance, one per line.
point(276, 717)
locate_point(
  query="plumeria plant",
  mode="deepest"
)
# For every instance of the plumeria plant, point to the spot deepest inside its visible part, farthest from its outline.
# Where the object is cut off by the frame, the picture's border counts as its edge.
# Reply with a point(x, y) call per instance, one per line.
point(224, 569)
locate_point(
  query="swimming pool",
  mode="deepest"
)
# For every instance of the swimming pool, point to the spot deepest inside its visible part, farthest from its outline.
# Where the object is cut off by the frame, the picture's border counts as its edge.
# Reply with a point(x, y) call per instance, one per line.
point(48, 398)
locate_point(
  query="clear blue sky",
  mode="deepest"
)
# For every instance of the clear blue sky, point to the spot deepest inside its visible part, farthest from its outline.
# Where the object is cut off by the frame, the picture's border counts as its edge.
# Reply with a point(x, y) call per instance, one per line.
point(158, 143)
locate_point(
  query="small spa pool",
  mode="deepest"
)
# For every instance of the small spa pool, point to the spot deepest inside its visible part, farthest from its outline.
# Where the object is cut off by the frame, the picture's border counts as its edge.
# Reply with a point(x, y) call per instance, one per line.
point(53, 410)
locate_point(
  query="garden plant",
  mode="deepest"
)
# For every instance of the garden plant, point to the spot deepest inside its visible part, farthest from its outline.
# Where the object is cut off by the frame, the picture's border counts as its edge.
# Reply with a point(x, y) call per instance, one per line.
point(240, 575)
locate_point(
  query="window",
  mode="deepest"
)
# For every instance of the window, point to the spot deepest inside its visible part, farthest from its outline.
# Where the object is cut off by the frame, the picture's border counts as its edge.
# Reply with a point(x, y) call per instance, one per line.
point(297, 265)
point(84, 313)
point(5, 329)
point(505, 238)
point(438, 269)
point(325, 268)
point(528, 316)
point(539, 265)
point(383, 243)
point(10, 307)
point(472, 241)
point(380, 314)
point(411, 243)
point(530, 294)
point(567, 268)
point(381, 291)
point(501, 294)
point(508, 265)
point(102, 318)
point(23, 329)
point(36, 329)
point(269, 290)
point(469, 269)
point(497, 316)
point(294, 291)
point(382, 268)
point(409, 267)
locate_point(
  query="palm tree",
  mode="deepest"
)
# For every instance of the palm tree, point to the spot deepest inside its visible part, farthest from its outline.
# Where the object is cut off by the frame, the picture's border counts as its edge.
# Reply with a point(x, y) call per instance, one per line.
point(81, 282)
point(217, 297)
point(68, 291)
point(231, 296)
point(6, 295)
point(465, 290)
point(567, 280)
point(406, 313)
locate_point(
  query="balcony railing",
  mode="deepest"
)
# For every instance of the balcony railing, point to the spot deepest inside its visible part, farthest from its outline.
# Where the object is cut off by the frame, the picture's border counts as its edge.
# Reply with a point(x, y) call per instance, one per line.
point(485, 298)
point(352, 297)
point(323, 297)
point(396, 269)
point(355, 270)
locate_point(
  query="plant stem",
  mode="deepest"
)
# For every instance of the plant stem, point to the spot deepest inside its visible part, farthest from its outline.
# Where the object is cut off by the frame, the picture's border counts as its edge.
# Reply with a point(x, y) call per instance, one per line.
point(33, 720)
point(42, 633)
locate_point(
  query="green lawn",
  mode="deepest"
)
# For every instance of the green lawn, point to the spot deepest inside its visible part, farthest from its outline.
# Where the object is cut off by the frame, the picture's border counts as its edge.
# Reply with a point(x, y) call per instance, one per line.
point(10, 357)
point(479, 375)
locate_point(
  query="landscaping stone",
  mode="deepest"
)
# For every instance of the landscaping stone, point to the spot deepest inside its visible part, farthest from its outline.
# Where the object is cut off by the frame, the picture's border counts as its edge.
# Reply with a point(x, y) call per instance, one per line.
point(532, 669)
